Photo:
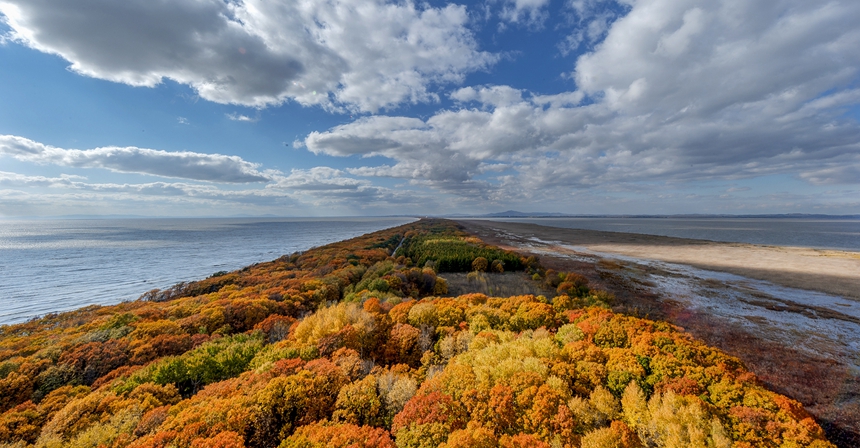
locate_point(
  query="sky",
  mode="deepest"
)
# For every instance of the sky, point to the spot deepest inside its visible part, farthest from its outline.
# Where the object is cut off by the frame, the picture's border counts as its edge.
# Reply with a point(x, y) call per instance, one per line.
point(371, 107)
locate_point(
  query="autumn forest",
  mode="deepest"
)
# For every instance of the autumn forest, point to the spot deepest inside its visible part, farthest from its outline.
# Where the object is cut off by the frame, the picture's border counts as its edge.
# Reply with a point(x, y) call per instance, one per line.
point(360, 344)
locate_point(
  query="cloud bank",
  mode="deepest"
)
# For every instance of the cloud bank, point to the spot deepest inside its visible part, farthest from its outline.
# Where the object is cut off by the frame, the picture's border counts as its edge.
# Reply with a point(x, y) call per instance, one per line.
point(182, 165)
point(679, 91)
point(354, 54)
point(301, 191)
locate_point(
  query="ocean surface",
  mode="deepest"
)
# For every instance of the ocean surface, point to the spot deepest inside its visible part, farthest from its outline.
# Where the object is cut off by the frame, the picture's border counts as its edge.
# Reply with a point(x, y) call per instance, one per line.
point(50, 266)
point(814, 233)
point(59, 265)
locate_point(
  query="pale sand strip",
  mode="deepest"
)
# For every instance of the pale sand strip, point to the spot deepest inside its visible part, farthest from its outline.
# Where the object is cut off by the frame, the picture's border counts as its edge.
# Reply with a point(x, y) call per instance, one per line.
point(830, 271)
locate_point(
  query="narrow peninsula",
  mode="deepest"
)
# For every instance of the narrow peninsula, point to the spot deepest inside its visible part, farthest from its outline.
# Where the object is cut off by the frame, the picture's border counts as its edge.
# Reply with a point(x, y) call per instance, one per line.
point(422, 335)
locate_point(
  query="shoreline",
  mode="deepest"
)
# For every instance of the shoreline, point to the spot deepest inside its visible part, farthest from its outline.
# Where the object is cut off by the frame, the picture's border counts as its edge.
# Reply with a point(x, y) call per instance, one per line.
point(825, 270)
point(793, 329)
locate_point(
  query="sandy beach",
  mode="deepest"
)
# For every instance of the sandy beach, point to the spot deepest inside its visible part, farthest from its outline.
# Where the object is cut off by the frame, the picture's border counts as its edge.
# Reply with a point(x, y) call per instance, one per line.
point(829, 271)
point(792, 315)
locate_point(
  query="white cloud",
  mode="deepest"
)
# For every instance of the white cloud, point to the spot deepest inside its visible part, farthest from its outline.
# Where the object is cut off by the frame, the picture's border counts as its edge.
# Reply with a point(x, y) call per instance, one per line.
point(421, 150)
point(177, 197)
point(707, 57)
point(678, 91)
point(183, 165)
point(673, 92)
point(591, 20)
point(845, 170)
point(239, 117)
point(301, 190)
point(319, 178)
point(330, 187)
point(317, 187)
point(531, 13)
point(359, 54)
point(491, 95)
point(156, 198)
point(182, 120)
point(8, 179)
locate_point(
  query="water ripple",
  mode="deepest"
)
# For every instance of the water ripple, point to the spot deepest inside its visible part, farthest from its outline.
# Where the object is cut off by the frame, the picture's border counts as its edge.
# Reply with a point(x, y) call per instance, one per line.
point(60, 265)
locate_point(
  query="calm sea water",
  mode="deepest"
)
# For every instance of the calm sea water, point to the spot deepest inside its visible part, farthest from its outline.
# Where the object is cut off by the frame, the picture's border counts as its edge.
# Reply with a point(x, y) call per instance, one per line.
point(816, 233)
point(58, 265)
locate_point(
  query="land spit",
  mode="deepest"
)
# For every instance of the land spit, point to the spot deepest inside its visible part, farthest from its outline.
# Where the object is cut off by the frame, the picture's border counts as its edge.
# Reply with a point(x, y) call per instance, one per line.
point(792, 315)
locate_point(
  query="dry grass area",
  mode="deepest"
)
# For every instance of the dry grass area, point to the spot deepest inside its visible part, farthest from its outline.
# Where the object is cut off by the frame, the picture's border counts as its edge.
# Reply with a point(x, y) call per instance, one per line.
point(828, 386)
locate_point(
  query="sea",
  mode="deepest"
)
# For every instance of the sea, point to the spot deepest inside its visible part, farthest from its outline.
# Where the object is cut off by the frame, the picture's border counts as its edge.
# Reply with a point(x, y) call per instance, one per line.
point(56, 265)
point(838, 234)
point(49, 266)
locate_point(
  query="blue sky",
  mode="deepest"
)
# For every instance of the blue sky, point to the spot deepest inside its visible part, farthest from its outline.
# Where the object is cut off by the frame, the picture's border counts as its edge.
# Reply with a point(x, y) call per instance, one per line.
point(359, 107)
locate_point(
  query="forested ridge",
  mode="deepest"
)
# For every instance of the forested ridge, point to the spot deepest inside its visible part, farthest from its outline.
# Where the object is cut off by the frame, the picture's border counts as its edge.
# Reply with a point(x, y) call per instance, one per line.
point(357, 344)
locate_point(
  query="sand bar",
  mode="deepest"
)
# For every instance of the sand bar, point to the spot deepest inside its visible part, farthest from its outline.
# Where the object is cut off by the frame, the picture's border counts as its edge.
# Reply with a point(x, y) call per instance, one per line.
point(830, 271)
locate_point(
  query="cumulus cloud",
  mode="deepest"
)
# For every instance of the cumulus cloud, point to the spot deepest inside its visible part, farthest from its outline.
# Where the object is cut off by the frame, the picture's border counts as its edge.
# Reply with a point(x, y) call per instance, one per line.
point(358, 54)
point(678, 91)
point(690, 57)
point(182, 164)
point(422, 151)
